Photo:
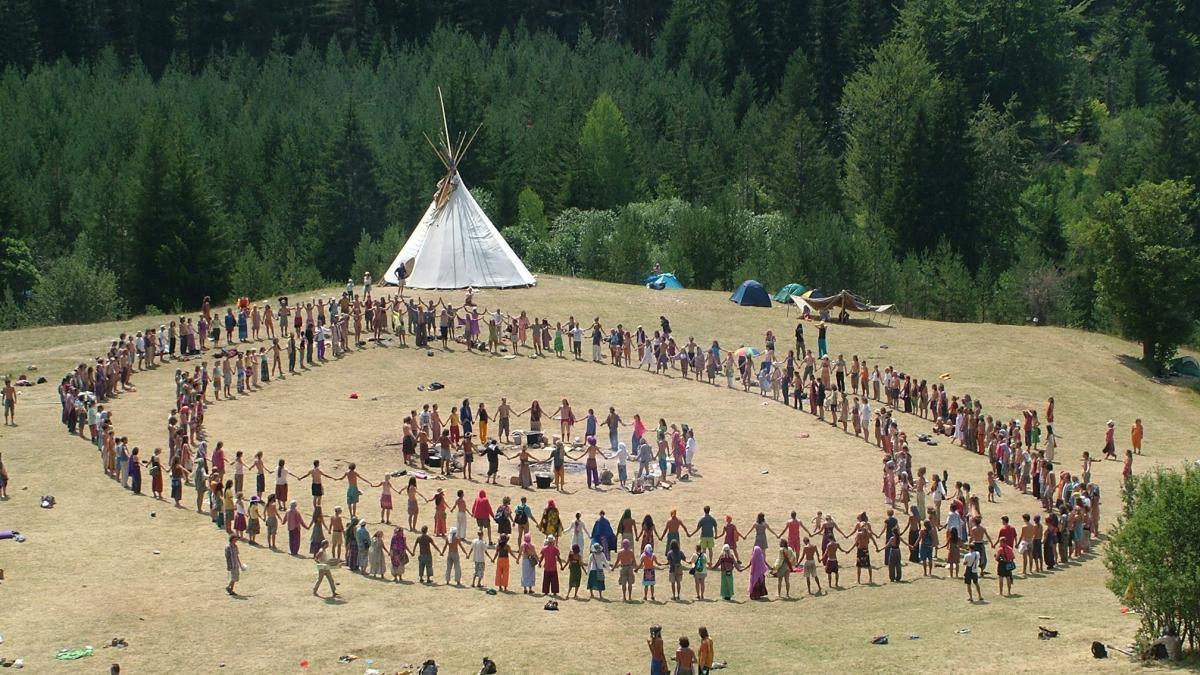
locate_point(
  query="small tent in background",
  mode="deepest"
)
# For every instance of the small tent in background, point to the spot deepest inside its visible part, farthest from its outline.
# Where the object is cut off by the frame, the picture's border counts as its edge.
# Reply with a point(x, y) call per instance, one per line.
point(1185, 365)
point(752, 294)
point(785, 294)
point(661, 282)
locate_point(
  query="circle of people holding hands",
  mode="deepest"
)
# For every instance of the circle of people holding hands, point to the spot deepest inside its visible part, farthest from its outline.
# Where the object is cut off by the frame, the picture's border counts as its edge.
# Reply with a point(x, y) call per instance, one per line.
point(626, 546)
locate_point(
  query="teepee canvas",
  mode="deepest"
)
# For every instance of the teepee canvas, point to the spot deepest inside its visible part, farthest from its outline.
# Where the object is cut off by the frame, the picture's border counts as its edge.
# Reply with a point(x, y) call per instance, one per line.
point(456, 245)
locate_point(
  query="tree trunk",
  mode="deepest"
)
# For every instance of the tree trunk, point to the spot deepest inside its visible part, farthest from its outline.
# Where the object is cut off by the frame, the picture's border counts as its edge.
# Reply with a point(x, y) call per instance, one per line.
point(1148, 356)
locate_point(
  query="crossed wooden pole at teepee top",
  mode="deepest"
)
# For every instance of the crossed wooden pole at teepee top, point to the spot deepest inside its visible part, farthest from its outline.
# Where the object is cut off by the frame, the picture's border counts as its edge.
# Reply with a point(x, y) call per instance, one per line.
point(451, 154)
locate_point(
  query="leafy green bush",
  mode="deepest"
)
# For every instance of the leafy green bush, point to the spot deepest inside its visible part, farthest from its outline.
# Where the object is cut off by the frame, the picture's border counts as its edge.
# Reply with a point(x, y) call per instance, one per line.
point(1153, 555)
point(71, 291)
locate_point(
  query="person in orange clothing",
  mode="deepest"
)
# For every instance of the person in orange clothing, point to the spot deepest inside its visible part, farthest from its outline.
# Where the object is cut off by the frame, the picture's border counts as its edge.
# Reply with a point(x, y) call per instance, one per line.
point(1135, 435)
point(704, 660)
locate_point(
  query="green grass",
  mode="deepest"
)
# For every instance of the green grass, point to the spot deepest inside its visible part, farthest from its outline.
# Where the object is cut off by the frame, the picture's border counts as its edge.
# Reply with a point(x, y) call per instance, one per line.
point(89, 572)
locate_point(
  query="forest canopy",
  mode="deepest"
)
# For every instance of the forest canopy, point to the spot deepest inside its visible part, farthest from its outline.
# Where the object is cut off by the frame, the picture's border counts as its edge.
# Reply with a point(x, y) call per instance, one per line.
point(971, 160)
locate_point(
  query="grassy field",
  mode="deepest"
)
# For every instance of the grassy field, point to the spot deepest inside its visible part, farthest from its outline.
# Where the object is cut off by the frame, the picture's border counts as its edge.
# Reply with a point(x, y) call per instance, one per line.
point(99, 566)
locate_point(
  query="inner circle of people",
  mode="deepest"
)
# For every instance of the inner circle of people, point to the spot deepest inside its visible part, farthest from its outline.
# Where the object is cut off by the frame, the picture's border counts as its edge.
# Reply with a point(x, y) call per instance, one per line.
point(927, 519)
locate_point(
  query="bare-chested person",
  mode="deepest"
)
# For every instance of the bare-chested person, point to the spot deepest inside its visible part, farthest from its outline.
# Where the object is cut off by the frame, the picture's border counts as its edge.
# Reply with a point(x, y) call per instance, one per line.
point(503, 414)
point(1029, 535)
point(808, 559)
point(10, 402)
point(315, 474)
point(353, 492)
point(864, 535)
point(980, 541)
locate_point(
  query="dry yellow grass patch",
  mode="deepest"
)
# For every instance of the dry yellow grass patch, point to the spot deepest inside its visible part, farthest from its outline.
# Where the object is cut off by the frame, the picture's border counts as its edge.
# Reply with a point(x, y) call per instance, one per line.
point(89, 571)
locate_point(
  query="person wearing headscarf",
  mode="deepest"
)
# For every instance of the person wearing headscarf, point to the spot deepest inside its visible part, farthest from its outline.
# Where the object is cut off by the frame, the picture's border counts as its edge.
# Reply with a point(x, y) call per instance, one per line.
point(482, 511)
point(399, 553)
point(363, 538)
point(603, 536)
point(758, 574)
point(649, 564)
point(551, 522)
point(726, 563)
point(375, 556)
point(528, 563)
point(294, 521)
point(596, 566)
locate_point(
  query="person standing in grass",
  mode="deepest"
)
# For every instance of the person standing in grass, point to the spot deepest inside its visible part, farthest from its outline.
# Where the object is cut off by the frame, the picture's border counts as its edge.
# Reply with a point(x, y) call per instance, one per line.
point(501, 558)
point(830, 560)
point(704, 659)
point(293, 521)
point(10, 402)
point(423, 547)
point(1005, 564)
point(375, 556)
point(808, 557)
point(727, 563)
point(550, 560)
point(784, 562)
point(398, 552)
point(529, 561)
point(699, 571)
point(597, 565)
point(658, 659)
point(233, 563)
point(971, 566)
point(479, 559)
point(325, 567)
point(574, 565)
point(1110, 442)
point(685, 658)
point(864, 535)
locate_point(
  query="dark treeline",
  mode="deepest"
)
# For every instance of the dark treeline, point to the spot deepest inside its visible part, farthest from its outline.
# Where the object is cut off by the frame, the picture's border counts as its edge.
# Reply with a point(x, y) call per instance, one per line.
point(998, 160)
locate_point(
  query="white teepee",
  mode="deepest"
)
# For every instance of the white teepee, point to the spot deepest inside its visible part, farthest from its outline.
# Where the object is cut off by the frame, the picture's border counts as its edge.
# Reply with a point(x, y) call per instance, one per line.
point(456, 245)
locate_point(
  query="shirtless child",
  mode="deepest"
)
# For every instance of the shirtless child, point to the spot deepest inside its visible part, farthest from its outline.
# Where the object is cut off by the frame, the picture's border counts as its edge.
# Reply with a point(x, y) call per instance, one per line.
point(10, 402)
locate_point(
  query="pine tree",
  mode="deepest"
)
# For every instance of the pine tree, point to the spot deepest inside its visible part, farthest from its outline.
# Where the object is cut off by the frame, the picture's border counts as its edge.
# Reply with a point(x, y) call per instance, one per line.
point(804, 176)
point(349, 200)
point(18, 34)
point(605, 176)
point(177, 228)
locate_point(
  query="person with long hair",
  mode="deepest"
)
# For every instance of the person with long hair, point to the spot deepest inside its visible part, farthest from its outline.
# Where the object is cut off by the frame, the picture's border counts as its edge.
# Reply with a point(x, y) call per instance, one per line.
point(758, 574)
point(501, 557)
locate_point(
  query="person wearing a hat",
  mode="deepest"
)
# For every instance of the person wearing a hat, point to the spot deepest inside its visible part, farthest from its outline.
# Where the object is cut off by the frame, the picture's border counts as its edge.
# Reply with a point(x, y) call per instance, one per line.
point(254, 524)
point(550, 562)
point(233, 563)
point(439, 512)
point(597, 564)
point(1110, 443)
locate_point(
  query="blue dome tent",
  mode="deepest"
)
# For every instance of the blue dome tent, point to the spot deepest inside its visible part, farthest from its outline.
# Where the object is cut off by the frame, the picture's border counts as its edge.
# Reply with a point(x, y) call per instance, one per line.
point(665, 281)
point(752, 294)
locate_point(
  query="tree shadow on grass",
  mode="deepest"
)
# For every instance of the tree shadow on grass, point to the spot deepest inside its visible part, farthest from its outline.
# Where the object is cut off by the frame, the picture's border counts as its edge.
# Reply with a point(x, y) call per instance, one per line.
point(1179, 381)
